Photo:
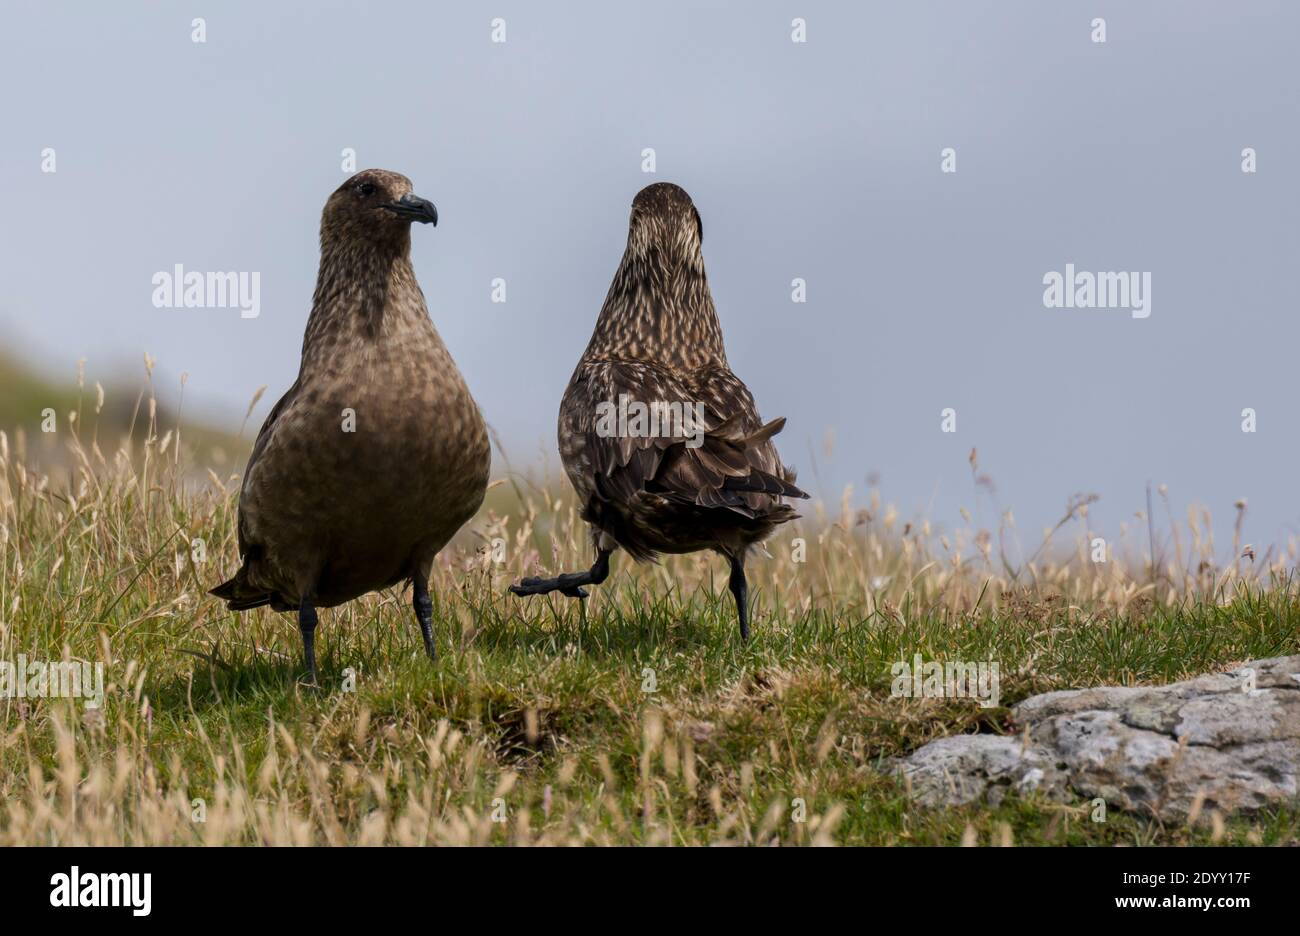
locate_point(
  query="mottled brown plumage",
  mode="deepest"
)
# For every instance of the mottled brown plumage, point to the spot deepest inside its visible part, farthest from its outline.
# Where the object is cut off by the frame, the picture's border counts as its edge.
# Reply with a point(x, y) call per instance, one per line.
point(658, 339)
point(377, 454)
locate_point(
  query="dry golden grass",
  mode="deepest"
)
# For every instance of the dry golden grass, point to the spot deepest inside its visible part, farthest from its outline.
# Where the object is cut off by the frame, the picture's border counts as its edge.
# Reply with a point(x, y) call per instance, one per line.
point(638, 718)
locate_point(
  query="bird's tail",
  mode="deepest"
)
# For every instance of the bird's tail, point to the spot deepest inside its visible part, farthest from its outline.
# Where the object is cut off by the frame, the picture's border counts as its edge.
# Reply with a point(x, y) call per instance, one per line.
point(760, 482)
point(238, 596)
point(778, 482)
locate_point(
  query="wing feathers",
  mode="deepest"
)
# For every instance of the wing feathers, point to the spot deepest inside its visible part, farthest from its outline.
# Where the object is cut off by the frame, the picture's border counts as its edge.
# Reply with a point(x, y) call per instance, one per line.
point(728, 462)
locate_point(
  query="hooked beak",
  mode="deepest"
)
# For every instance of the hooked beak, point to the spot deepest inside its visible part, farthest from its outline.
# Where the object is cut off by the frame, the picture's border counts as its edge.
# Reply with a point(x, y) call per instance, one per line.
point(414, 208)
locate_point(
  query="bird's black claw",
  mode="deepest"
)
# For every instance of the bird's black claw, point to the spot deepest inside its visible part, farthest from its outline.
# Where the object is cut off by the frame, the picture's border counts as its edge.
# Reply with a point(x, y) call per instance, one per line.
point(569, 584)
point(541, 586)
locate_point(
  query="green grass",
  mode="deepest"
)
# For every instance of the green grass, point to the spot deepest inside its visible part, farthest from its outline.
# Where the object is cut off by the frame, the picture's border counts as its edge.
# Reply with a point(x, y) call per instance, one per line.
point(538, 712)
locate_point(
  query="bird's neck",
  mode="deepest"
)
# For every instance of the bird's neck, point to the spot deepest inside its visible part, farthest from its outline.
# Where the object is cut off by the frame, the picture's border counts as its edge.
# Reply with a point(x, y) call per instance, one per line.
point(659, 309)
point(363, 291)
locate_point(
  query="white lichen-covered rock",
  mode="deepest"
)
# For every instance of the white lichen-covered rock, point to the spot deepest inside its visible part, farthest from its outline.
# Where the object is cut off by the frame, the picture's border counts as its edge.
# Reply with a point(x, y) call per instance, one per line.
point(1231, 739)
point(969, 768)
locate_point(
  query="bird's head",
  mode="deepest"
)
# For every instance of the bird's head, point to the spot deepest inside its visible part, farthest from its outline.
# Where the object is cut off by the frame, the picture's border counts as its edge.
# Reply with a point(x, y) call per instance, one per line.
point(665, 220)
point(375, 205)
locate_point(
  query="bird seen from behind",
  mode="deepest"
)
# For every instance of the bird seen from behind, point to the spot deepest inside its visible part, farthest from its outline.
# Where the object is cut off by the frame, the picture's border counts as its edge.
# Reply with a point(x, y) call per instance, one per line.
point(661, 441)
point(377, 454)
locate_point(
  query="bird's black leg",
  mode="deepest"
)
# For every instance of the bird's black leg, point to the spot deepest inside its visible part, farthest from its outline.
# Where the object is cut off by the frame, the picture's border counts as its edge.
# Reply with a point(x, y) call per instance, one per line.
point(307, 624)
point(740, 589)
point(424, 612)
point(570, 583)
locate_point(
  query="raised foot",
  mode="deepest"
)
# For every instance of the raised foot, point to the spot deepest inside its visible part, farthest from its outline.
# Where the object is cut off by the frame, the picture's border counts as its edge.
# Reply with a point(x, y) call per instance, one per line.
point(570, 583)
point(541, 586)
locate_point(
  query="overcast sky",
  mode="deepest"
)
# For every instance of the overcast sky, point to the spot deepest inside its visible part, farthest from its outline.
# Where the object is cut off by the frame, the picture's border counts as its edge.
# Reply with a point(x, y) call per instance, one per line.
point(819, 160)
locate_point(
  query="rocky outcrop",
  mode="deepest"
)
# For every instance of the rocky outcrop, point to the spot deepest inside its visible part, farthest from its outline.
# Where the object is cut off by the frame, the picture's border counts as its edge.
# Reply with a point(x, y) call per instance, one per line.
point(1230, 739)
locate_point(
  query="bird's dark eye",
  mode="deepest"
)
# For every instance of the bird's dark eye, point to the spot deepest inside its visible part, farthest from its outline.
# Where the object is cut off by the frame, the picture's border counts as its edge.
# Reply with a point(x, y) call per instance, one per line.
point(366, 189)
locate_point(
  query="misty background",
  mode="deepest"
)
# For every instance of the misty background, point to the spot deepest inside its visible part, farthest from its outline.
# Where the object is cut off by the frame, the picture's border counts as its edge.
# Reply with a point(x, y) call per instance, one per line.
point(818, 160)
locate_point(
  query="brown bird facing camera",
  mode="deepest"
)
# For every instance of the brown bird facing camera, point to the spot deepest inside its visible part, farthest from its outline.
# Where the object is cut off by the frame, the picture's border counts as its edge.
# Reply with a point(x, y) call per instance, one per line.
point(662, 442)
point(377, 454)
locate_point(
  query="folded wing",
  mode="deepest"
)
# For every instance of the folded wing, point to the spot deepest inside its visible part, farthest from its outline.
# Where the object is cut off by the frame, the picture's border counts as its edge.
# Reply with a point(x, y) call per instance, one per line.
point(720, 456)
